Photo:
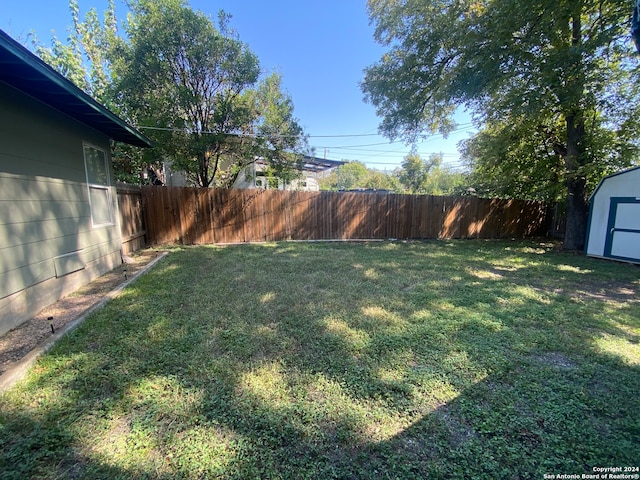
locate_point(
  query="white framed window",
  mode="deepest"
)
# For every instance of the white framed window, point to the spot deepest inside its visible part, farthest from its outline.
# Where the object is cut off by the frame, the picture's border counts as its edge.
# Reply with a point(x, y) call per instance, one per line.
point(99, 185)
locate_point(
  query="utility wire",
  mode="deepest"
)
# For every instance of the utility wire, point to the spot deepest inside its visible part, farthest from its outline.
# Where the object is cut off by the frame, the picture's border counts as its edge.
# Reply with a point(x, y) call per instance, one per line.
point(463, 127)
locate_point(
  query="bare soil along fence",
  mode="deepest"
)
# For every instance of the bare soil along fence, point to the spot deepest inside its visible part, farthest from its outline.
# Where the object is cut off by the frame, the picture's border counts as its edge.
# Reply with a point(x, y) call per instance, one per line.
point(188, 216)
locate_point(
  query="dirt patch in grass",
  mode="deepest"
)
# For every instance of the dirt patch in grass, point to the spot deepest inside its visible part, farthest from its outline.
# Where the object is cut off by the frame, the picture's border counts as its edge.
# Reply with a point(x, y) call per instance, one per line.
point(586, 289)
point(612, 291)
point(18, 342)
point(554, 359)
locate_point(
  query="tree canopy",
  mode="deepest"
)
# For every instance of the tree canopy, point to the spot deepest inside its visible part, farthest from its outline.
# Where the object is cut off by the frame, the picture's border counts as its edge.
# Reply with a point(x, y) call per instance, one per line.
point(84, 59)
point(414, 176)
point(429, 177)
point(195, 88)
point(346, 177)
point(541, 75)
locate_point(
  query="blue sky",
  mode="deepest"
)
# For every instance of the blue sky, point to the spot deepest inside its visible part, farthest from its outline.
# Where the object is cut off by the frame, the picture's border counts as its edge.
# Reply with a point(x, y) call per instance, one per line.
point(321, 48)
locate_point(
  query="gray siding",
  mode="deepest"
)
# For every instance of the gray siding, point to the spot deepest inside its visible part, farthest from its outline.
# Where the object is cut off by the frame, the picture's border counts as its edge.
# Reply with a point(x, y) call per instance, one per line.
point(48, 246)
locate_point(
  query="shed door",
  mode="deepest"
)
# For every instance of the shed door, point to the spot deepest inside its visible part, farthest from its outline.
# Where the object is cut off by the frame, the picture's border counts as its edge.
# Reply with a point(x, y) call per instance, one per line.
point(623, 229)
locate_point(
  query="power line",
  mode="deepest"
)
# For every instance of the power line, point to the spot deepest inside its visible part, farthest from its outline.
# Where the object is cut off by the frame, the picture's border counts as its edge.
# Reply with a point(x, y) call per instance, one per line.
point(463, 127)
point(346, 135)
point(254, 135)
point(355, 150)
point(346, 147)
point(397, 164)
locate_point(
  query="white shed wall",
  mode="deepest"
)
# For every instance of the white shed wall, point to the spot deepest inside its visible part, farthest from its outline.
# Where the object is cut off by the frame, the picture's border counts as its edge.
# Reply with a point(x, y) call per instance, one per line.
point(624, 184)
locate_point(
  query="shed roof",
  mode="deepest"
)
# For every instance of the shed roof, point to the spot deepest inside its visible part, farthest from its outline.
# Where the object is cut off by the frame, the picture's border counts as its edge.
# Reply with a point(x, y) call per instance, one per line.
point(622, 172)
point(26, 72)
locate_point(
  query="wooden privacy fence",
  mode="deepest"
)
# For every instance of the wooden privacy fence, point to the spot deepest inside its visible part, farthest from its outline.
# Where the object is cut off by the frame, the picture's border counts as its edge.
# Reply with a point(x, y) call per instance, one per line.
point(204, 216)
point(131, 218)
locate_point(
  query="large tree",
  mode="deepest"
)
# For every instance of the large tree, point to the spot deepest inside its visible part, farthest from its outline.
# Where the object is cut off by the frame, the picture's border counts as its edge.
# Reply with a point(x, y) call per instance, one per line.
point(356, 175)
point(184, 77)
point(85, 58)
point(193, 87)
point(429, 177)
point(279, 139)
point(515, 158)
point(550, 62)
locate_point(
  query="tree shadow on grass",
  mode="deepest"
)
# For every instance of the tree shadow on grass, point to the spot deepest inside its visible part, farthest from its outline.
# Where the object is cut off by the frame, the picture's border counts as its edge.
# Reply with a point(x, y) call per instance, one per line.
point(394, 381)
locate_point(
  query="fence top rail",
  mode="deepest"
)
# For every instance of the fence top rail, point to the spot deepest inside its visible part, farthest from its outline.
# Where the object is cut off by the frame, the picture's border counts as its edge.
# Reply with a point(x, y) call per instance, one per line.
point(373, 193)
point(128, 187)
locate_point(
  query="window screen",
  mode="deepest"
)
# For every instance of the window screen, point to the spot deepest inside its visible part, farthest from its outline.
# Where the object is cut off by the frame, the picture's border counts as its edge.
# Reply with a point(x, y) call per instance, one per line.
point(95, 161)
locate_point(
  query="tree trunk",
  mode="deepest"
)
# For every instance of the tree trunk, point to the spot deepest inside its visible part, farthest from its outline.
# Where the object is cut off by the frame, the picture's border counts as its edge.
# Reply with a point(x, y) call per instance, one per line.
point(577, 215)
point(203, 170)
point(577, 205)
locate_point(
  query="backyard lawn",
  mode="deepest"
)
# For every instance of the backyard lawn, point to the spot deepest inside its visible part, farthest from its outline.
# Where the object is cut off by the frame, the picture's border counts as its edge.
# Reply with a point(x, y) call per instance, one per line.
point(443, 359)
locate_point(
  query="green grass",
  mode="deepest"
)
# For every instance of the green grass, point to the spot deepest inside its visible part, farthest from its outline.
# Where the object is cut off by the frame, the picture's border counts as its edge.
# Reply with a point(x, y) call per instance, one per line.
point(457, 359)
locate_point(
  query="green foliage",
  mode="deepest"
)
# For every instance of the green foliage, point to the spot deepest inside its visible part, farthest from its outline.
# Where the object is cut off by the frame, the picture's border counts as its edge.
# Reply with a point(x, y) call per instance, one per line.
point(415, 176)
point(353, 175)
point(568, 65)
point(523, 159)
point(377, 180)
point(413, 173)
point(84, 59)
point(195, 87)
point(404, 360)
point(430, 177)
point(280, 138)
point(514, 160)
point(443, 181)
point(181, 74)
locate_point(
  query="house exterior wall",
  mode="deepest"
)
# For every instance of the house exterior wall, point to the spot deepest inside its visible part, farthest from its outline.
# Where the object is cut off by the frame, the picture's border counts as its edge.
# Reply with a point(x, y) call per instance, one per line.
point(308, 184)
point(174, 178)
point(624, 184)
point(249, 178)
point(49, 246)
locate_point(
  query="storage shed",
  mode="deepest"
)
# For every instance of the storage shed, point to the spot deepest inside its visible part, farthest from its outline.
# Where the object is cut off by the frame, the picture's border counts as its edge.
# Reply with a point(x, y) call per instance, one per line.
point(614, 218)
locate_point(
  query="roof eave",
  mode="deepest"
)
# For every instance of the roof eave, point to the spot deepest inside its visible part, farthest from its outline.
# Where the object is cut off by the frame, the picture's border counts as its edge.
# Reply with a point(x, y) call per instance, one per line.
point(51, 88)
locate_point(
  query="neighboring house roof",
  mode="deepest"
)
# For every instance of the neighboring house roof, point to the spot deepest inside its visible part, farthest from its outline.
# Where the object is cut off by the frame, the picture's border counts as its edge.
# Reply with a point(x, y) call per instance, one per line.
point(26, 72)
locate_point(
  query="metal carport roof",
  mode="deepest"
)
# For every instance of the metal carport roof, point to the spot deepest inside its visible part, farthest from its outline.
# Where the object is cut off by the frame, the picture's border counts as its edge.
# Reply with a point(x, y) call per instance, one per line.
point(315, 164)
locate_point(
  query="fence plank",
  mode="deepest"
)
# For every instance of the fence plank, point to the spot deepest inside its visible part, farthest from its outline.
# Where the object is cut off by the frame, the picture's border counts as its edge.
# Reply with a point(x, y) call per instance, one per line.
point(253, 216)
point(132, 227)
point(222, 211)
